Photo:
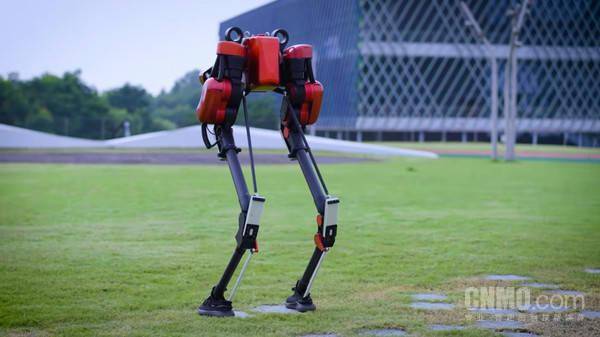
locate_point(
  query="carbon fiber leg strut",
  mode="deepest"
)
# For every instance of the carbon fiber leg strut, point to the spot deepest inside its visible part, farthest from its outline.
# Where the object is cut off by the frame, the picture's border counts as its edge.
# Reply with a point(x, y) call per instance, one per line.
point(326, 206)
point(251, 209)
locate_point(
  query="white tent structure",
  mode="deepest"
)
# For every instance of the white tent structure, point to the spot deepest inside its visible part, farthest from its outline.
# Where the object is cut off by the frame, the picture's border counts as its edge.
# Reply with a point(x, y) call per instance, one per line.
point(15, 137)
point(191, 137)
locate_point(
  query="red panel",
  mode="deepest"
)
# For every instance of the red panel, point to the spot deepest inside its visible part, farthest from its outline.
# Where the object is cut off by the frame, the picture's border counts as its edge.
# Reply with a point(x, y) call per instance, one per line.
point(314, 97)
point(213, 103)
point(230, 48)
point(298, 51)
point(319, 241)
point(263, 62)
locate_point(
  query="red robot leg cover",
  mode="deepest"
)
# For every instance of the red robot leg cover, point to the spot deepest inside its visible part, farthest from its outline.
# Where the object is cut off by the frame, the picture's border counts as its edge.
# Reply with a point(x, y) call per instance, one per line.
point(214, 100)
point(309, 111)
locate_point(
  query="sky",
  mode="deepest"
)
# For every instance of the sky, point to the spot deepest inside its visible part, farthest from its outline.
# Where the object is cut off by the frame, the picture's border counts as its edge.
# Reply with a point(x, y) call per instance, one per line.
point(150, 43)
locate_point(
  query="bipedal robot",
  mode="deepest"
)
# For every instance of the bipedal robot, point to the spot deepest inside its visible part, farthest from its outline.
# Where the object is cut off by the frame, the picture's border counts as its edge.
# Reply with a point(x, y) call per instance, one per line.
point(263, 63)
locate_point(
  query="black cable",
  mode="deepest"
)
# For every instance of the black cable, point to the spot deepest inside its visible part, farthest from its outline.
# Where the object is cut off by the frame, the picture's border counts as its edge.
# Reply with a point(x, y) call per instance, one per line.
point(249, 144)
point(310, 154)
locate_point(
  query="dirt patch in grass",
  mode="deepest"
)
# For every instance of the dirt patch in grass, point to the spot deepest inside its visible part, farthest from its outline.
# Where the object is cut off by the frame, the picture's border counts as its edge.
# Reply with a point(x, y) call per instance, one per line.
point(584, 328)
point(192, 158)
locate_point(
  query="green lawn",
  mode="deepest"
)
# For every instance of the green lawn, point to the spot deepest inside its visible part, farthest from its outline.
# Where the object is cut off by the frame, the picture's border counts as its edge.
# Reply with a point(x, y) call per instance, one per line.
point(133, 250)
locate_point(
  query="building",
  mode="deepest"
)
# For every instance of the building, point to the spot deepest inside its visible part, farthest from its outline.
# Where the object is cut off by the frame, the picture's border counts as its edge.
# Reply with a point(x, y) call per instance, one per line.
point(412, 70)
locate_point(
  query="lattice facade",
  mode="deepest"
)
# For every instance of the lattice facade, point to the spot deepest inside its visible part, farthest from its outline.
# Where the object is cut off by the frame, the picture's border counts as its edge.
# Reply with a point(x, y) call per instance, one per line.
point(430, 65)
point(412, 65)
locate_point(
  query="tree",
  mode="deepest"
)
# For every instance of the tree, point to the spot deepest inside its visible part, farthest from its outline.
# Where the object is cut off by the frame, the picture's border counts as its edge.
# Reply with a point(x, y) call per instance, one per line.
point(178, 105)
point(136, 101)
point(129, 97)
point(13, 105)
point(63, 105)
point(68, 106)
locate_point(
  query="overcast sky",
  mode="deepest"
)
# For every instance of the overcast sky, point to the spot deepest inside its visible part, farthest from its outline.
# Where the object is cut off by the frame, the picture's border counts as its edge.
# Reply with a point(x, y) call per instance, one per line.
point(145, 42)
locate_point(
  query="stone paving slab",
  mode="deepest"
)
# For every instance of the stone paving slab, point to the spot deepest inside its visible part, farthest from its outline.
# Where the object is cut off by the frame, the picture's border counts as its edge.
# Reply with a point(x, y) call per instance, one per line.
point(495, 325)
point(593, 270)
point(445, 327)
point(432, 306)
point(241, 314)
point(507, 277)
point(384, 332)
point(429, 297)
point(494, 311)
point(590, 314)
point(274, 309)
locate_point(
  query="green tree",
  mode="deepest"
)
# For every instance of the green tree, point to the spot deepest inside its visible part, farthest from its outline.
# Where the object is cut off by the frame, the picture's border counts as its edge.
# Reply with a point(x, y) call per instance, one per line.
point(179, 104)
point(13, 104)
point(129, 97)
point(63, 105)
point(68, 106)
point(136, 101)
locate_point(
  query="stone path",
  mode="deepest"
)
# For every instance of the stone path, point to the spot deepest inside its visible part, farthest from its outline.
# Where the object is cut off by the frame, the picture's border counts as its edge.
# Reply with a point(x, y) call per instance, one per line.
point(438, 301)
point(509, 328)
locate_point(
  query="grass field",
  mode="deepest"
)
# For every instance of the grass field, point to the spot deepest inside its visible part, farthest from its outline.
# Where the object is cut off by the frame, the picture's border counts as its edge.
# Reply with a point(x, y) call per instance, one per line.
point(133, 250)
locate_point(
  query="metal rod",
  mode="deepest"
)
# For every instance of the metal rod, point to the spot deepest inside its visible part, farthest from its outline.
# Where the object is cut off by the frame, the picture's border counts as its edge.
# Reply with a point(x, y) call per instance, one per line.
point(314, 274)
point(240, 276)
point(236, 169)
point(309, 271)
point(227, 143)
point(249, 144)
point(298, 128)
point(219, 289)
point(312, 180)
